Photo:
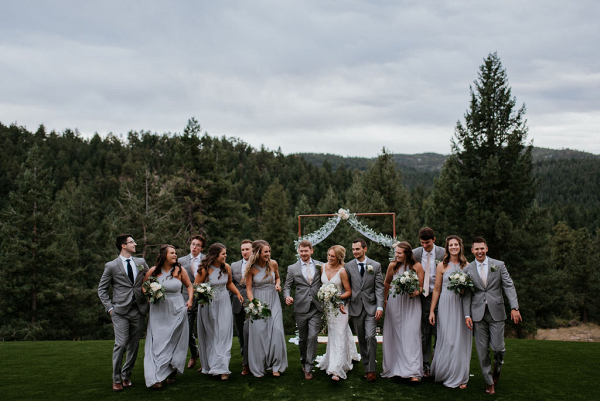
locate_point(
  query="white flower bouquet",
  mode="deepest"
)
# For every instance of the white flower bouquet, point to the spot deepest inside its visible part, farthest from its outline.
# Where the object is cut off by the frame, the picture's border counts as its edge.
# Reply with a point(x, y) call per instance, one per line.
point(406, 283)
point(329, 296)
point(256, 310)
point(459, 282)
point(204, 293)
point(153, 290)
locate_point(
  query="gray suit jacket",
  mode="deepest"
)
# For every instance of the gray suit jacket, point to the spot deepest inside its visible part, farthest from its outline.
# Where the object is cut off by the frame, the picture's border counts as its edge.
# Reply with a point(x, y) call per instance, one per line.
point(185, 263)
point(237, 279)
point(367, 291)
point(498, 280)
point(305, 294)
point(123, 290)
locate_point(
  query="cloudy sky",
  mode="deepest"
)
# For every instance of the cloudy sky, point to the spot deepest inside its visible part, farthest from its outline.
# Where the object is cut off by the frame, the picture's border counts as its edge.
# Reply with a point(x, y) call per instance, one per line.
point(344, 77)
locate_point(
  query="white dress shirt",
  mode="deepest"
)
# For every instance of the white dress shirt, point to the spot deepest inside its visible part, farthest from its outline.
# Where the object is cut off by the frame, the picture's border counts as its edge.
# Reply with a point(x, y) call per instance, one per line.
point(308, 269)
point(133, 266)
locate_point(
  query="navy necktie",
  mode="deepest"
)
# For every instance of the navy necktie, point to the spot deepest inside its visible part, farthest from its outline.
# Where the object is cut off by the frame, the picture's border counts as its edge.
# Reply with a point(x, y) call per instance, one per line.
point(362, 269)
point(129, 271)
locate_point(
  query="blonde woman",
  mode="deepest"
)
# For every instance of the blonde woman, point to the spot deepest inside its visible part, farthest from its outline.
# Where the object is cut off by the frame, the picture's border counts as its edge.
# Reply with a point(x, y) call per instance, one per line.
point(341, 349)
point(266, 340)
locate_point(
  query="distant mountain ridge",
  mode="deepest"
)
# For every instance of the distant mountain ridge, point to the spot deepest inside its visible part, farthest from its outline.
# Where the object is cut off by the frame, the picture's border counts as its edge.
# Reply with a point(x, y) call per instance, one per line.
point(432, 162)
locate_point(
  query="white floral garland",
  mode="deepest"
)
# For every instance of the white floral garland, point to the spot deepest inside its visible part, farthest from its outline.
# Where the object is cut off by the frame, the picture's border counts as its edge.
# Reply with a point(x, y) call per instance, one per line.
point(344, 214)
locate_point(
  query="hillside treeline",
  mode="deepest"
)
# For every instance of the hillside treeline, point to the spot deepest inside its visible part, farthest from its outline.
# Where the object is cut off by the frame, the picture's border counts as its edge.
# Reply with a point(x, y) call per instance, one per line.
point(63, 199)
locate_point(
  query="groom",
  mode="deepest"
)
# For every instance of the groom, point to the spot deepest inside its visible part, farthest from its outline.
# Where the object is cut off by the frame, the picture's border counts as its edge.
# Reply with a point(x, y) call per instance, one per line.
point(366, 304)
point(306, 278)
point(484, 309)
point(127, 308)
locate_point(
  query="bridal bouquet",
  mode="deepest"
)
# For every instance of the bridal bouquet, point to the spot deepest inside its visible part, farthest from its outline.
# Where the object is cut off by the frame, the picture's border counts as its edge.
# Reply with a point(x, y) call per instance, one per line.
point(406, 283)
point(459, 282)
point(153, 290)
point(204, 293)
point(256, 310)
point(329, 296)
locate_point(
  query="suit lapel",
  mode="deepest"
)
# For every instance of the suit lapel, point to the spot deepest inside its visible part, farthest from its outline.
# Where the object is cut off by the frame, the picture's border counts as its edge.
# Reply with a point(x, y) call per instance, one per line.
point(476, 276)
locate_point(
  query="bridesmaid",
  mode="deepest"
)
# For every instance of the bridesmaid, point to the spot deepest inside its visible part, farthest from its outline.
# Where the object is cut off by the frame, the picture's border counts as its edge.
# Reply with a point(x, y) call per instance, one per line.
point(215, 324)
point(266, 341)
point(453, 348)
point(402, 351)
point(167, 336)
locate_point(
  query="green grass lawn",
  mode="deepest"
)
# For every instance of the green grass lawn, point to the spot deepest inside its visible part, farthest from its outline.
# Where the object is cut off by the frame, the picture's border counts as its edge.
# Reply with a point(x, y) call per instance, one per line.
point(533, 370)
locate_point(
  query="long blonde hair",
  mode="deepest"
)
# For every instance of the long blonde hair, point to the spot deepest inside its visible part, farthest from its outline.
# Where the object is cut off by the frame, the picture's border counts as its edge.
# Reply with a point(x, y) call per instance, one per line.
point(257, 247)
point(339, 252)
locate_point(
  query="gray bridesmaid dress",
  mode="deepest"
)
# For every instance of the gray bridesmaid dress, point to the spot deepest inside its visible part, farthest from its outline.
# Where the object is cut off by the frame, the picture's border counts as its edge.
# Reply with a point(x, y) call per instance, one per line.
point(266, 341)
point(167, 336)
point(452, 357)
point(402, 351)
point(215, 327)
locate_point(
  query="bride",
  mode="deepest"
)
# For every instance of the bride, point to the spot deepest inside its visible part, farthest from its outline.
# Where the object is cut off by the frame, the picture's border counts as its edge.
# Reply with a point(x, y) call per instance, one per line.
point(341, 349)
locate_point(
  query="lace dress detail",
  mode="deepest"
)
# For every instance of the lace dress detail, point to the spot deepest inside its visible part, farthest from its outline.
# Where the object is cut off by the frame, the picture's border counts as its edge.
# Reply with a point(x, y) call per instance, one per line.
point(341, 348)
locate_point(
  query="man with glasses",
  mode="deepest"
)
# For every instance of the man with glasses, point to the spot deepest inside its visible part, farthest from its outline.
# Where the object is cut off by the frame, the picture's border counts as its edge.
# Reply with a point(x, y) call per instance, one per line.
point(127, 308)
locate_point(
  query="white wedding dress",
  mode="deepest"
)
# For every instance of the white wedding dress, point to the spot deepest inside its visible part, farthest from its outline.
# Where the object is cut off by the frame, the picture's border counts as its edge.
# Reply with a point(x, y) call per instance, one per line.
point(341, 349)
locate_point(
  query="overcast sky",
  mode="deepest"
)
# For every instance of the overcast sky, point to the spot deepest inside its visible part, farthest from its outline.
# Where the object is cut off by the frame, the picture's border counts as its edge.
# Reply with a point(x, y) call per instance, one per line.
point(344, 77)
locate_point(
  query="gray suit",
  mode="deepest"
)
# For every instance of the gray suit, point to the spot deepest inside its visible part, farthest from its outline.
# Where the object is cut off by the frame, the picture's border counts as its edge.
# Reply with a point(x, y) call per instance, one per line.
point(367, 296)
point(308, 312)
point(427, 329)
point(185, 263)
point(239, 316)
point(486, 308)
point(129, 307)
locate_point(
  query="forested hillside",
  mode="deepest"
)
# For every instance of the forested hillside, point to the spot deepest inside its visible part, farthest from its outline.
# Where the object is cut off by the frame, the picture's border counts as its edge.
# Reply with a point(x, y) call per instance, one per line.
point(63, 199)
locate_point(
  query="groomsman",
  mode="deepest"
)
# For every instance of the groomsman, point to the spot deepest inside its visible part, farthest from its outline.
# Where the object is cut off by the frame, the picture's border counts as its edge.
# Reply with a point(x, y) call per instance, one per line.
point(127, 308)
point(484, 309)
point(366, 303)
point(238, 270)
point(306, 278)
point(429, 255)
point(190, 263)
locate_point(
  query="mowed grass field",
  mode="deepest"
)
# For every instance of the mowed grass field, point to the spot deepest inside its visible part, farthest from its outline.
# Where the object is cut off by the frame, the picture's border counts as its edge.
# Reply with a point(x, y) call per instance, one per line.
point(61, 370)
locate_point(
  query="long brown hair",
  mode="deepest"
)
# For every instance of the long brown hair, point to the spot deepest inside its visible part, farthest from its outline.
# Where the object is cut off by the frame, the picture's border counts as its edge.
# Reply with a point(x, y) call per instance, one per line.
point(211, 256)
point(461, 255)
point(257, 247)
point(162, 258)
point(409, 259)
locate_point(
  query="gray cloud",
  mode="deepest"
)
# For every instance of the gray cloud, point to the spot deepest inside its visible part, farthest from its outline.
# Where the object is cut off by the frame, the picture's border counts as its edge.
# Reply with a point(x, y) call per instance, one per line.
point(346, 77)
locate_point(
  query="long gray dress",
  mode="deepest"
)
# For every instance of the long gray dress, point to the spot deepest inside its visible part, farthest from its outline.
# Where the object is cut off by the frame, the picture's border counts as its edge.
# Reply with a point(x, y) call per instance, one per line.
point(266, 341)
point(168, 333)
point(453, 350)
point(215, 328)
point(402, 351)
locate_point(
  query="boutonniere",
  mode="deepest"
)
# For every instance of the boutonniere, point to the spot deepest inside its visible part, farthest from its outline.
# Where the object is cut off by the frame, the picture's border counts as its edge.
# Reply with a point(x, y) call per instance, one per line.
point(493, 268)
point(140, 268)
point(318, 266)
point(437, 261)
point(370, 269)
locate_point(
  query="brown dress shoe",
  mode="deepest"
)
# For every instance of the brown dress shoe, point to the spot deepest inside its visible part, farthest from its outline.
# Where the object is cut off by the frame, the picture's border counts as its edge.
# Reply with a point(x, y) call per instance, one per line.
point(127, 383)
point(426, 373)
point(192, 362)
point(157, 385)
point(496, 377)
point(490, 389)
point(246, 370)
point(117, 387)
point(371, 377)
point(308, 375)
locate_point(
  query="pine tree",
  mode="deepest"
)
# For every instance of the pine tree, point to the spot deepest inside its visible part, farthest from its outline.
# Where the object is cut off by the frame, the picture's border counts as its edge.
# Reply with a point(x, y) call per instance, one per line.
point(37, 259)
point(486, 186)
